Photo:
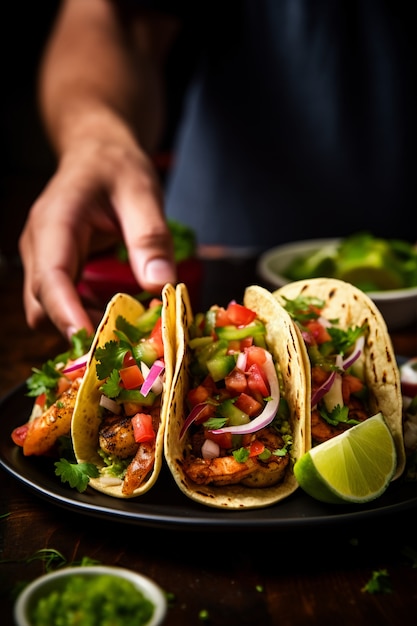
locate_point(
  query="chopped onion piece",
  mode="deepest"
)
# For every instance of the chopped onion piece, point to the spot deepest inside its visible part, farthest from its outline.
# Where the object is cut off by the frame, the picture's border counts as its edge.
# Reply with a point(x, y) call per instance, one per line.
point(271, 407)
point(77, 364)
point(110, 405)
point(153, 380)
point(409, 371)
point(241, 361)
point(357, 351)
point(210, 449)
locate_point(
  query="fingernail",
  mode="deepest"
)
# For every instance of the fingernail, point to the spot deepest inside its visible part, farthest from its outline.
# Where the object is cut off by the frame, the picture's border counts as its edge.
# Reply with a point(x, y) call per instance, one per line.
point(159, 271)
point(71, 330)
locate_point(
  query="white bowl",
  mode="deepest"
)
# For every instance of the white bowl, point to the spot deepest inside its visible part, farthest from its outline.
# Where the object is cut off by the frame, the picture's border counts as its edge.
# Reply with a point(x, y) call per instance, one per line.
point(398, 306)
point(48, 582)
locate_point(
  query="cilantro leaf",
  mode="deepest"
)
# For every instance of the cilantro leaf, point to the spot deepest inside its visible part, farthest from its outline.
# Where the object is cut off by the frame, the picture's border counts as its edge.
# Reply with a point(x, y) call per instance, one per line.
point(45, 381)
point(344, 340)
point(76, 474)
point(379, 582)
point(339, 415)
point(241, 455)
point(110, 357)
point(81, 343)
point(111, 387)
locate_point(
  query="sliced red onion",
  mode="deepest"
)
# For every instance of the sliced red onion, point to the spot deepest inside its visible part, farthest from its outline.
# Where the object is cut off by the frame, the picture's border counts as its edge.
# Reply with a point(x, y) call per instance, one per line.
point(357, 351)
point(153, 380)
point(307, 337)
point(210, 449)
point(192, 416)
point(110, 405)
point(334, 396)
point(323, 389)
point(75, 365)
point(268, 414)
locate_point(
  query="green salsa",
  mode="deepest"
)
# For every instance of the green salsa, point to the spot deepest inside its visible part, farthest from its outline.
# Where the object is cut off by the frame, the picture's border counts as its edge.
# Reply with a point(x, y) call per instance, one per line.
point(102, 600)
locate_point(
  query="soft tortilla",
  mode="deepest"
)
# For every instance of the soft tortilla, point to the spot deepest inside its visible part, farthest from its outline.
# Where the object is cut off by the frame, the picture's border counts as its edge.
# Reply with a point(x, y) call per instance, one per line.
point(352, 307)
point(86, 420)
point(284, 343)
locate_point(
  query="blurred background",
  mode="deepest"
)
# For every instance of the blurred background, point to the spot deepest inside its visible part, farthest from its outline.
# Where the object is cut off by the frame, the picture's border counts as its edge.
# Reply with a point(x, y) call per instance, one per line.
point(26, 160)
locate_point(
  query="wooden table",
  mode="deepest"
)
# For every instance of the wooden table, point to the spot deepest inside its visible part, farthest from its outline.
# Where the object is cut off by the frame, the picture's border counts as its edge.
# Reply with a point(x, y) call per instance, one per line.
point(309, 574)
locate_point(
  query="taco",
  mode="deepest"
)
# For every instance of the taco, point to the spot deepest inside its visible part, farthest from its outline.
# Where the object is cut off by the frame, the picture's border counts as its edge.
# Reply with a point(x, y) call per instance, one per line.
point(120, 413)
point(238, 403)
point(54, 387)
point(349, 358)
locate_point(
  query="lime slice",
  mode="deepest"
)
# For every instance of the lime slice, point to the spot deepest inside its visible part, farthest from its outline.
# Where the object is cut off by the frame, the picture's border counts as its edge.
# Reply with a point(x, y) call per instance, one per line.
point(356, 466)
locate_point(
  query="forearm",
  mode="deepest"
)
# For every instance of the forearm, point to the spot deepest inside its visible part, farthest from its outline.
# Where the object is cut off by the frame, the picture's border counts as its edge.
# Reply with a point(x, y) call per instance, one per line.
point(99, 78)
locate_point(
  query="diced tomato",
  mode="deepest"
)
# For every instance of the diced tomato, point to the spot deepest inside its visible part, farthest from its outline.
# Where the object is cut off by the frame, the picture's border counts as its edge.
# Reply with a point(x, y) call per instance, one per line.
point(131, 376)
point(256, 447)
point(128, 359)
point(41, 400)
point(155, 302)
point(236, 382)
point(155, 338)
point(255, 354)
point(234, 346)
point(246, 343)
point(257, 381)
point(240, 315)
point(224, 440)
point(19, 434)
point(198, 395)
point(206, 413)
point(248, 404)
point(63, 384)
point(350, 384)
point(78, 373)
point(318, 331)
point(142, 427)
point(222, 318)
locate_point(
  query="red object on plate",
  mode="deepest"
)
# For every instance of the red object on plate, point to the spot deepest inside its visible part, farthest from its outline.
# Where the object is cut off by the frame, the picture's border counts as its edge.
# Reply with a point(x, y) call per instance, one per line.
point(106, 275)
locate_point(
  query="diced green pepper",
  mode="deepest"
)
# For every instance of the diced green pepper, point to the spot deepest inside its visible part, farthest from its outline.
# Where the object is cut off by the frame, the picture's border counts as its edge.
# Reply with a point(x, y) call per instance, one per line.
point(148, 319)
point(134, 395)
point(220, 366)
point(234, 415)
point(145, 352)
point(231, 332)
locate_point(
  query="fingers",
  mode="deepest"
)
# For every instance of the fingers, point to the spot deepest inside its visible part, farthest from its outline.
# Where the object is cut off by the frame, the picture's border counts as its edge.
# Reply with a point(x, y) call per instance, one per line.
point(84, 198)
point(138, 203)
point(51, 249)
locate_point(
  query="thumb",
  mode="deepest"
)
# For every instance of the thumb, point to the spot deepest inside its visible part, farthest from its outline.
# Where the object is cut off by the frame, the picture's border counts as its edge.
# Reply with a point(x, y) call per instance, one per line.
point(147, 237)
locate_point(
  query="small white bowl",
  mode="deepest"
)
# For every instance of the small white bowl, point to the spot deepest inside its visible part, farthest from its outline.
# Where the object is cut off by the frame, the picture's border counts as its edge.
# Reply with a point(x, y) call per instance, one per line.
point(398, 306)
point(48, 582)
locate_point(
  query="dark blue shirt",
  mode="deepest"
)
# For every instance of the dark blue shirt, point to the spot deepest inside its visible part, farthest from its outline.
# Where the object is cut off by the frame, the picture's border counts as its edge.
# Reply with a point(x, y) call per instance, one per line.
point(299, 122)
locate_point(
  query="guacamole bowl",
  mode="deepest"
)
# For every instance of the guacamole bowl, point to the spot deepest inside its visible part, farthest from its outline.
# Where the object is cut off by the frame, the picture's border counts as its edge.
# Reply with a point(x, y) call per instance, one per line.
point(316, 258)
point(92, 592)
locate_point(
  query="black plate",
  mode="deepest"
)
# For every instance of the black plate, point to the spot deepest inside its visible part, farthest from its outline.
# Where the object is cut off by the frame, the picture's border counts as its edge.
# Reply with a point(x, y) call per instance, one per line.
point(165, 505)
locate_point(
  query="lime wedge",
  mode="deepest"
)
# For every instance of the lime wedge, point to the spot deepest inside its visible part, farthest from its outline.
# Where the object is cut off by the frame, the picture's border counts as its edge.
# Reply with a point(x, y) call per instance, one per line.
point(356, 466)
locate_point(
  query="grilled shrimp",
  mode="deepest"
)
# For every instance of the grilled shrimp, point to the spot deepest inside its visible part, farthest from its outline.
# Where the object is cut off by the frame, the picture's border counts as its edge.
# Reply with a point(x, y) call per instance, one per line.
point(116, 436)
point(44, 431)
point(226, 470)
point(139, 468)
